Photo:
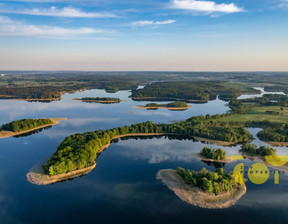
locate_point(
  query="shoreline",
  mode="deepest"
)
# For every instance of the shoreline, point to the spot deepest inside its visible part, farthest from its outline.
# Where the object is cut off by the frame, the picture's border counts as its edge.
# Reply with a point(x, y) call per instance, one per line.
point(277, 144)
point(216, 142)
point(163, 107)
point(197, 197)
point(7, 134)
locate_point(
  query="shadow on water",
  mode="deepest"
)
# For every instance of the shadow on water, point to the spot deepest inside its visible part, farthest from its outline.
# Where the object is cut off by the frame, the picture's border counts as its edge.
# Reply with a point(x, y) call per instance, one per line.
point(32, 132)
point(215, 164)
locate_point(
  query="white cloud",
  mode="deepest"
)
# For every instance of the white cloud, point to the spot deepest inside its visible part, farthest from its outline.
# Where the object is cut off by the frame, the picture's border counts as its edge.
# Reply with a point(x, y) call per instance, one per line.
point(64, 12)
point(205, 6)
point(10, 27)
point(152, 23)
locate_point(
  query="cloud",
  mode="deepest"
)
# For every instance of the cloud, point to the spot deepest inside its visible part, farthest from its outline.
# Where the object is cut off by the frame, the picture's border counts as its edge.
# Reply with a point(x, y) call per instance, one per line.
point(64, 12)
point(10, 27)
point(205, 6)
point(152, 23)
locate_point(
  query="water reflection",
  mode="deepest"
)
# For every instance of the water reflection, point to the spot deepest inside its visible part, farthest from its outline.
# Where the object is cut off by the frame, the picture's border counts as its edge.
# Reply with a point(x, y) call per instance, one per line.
point(32, 132)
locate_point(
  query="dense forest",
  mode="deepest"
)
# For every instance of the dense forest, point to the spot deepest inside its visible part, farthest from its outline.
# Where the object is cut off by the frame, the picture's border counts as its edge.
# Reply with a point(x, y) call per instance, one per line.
point(274, 134)
point(80, 150)
point(254, 150)
point(25, 124)
point(216, 154)
point(208, 181)
point(187, 90)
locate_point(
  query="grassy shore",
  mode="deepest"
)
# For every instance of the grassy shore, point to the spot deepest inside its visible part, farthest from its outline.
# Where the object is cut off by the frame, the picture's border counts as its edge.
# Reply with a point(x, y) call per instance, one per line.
point(197, 197)
point(6, 134)
point(257, 113)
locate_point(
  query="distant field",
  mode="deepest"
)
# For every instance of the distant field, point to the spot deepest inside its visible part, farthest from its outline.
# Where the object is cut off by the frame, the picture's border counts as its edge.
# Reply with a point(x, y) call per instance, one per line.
point(260, 114)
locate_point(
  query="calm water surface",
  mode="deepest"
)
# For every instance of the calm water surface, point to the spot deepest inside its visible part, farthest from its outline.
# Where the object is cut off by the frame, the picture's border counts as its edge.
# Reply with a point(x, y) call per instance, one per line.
point(123, 187)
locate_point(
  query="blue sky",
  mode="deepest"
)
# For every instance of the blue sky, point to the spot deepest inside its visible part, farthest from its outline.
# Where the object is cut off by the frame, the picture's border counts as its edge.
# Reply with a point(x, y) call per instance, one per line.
point(167, 35)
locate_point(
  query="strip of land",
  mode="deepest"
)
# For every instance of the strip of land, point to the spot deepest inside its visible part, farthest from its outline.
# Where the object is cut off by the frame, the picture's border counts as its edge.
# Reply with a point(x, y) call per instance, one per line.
point(7, 134)
point(100, 101)
point(168, 99)
point(197, 197)
point(162, 107)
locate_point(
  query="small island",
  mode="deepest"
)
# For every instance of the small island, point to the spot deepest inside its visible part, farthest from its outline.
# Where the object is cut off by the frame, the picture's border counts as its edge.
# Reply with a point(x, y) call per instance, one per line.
point(214, 155)
point(104, 100)
point(205, 189)
point(170, 106)
point(20, 127)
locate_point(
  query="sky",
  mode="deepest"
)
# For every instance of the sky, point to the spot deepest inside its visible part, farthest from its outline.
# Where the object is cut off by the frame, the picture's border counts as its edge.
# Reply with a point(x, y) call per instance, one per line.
point(150, 35)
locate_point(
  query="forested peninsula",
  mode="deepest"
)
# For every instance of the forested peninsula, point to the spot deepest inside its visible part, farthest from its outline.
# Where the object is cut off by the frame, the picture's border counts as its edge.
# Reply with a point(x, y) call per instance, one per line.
point(20, 127)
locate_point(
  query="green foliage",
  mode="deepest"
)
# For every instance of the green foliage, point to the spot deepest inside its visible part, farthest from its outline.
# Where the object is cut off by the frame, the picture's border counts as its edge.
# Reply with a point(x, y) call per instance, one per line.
point(275, 134)
point(208, 181)
point(24, 125)
point(152, 105)
point(216, 154)
point(254, 150)
point(177, 104)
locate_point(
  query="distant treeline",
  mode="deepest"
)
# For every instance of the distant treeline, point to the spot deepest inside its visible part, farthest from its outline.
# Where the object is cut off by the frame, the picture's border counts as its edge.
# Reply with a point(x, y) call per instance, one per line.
point(24, 125)
point(269, 100)
point(80, 150)
point(199, 90)
point(208, 181)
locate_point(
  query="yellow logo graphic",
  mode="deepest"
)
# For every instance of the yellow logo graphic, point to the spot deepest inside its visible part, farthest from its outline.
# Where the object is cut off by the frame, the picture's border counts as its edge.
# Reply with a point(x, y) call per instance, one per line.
point(276, 160)
point(238, 173)
point(258, 173)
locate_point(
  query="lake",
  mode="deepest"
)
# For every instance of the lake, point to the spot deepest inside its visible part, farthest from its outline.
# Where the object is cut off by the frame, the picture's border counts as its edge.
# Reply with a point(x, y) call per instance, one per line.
point(123, 186)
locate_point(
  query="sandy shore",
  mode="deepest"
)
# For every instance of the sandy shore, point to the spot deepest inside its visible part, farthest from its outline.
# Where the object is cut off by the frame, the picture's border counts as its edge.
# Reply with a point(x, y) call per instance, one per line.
point(6, 134)
point(196, 196)
point(216, 142)
point(226, 160)
point(278, 144)
point(162, 107)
